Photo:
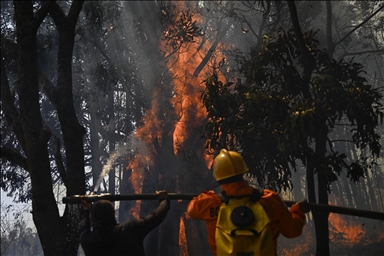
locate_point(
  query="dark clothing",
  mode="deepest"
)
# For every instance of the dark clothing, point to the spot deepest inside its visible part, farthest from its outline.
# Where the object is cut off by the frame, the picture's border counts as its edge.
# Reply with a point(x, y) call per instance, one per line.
point(120, 239)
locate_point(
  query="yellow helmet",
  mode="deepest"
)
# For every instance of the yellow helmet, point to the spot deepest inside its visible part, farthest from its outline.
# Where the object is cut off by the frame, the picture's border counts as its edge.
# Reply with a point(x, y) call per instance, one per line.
point(228, 164)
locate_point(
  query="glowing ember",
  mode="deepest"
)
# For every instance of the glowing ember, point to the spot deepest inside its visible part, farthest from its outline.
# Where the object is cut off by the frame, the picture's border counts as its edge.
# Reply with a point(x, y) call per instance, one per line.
point(179, 200)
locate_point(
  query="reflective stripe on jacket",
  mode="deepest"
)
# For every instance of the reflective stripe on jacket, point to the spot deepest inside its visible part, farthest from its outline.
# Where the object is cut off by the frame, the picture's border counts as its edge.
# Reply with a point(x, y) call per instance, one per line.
point(287, 222)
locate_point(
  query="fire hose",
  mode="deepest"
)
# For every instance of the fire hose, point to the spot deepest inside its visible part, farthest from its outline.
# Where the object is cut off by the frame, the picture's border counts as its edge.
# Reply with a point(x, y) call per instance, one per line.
point(76, 199)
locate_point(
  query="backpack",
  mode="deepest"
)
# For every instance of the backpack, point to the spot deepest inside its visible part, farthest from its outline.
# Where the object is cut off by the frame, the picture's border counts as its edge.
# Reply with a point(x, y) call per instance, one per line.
point(243, 227)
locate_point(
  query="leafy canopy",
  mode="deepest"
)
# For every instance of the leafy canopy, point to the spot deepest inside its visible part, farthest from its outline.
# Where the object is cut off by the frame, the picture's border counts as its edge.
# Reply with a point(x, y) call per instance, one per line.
point(265, 115)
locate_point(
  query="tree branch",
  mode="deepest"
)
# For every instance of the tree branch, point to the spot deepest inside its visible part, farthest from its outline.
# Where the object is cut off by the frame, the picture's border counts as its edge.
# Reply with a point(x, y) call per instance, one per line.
point(59, 159)
point(202, 64)
point(330, 45)
point(9, 53)
point(57, 15)
point(262, 25)
point(69, 21)
point(358, 26)
point(75, 10)
point(308, 61)
point(42, 13)
point(10, 111)
point(46, 85)
point(14, 157)
point(359, 53)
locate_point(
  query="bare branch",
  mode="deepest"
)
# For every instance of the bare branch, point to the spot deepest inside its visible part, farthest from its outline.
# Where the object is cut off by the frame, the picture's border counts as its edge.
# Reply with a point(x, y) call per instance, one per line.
point(358, 26)
point(219, 36)
point(360, 53)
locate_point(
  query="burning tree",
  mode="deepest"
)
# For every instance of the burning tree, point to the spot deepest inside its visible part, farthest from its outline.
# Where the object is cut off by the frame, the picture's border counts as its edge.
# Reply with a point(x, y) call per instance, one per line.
point(136, 82)
point(170, 127)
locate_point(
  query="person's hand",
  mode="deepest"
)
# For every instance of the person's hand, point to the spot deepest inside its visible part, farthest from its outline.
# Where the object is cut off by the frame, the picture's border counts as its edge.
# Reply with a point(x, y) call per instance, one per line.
point(161, 195)
point(303, 206)
point(86, 206)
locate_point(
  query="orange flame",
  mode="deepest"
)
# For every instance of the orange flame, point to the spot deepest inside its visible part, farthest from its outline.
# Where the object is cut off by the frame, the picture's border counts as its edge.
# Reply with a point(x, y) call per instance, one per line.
point(187, 104)
point(135, 210)
point(298, 246)
point(182, 238)
point(208, 160)
point(346, 232)
point(188, 109)
point(151, 128)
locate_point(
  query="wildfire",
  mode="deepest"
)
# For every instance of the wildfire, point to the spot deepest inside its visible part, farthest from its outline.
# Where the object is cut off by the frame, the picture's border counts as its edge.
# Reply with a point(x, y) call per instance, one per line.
point(188, 88)
point(188, 109)
point(191, 114)
point(151, 128)
point(187, 104)
point(182, 238)
point(136, 175)
point(135, 210)
point(346, 232)
point(298, 246)
point(136, 179)
point(208, 160)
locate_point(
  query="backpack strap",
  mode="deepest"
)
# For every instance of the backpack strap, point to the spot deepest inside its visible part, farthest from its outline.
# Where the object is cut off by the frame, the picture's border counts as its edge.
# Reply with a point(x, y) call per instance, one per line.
point(255, 196)
point(223, 197)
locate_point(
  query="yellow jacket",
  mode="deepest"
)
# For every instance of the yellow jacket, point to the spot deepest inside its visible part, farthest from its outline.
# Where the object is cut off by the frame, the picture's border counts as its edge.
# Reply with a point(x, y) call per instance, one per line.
point(287, 222)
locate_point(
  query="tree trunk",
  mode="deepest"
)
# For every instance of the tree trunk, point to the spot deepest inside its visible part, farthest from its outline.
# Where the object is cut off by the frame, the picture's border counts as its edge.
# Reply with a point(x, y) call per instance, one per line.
point(45, 212)
point(125, 188)
point(321, 218)
point(330, 44)
point(197, 238)
point(373, 205)
point(95, 148)
point(72, 131)
point(44, 209)
point(112, 140)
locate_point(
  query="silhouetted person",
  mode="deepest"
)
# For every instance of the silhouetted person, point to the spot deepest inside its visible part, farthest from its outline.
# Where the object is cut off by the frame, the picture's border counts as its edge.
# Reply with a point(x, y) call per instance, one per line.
point(229, 168)
point(100, 234)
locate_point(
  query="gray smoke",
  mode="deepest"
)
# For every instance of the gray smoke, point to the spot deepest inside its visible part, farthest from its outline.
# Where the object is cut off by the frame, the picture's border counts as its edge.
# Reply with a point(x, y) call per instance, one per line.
point(129, 145)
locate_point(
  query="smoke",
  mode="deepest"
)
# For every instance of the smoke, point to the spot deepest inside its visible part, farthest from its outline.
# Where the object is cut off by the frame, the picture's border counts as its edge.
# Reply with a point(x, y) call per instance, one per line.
point(129, 145)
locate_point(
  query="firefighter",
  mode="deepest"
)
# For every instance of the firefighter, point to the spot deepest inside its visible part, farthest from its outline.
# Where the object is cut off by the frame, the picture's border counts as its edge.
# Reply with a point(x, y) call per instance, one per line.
point(229, 168)
point(100, 234)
